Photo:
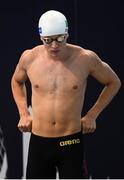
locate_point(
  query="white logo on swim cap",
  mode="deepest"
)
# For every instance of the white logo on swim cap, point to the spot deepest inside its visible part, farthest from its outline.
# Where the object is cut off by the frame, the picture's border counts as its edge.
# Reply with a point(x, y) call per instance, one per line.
point(52, 23)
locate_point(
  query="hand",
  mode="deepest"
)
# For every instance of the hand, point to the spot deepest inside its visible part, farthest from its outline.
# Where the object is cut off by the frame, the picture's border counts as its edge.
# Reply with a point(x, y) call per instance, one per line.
point(88, 124)
point(25, 124)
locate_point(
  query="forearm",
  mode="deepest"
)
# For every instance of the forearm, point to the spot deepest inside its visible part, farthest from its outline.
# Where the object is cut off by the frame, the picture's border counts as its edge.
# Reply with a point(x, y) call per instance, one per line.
point(20, 97)
point(105, 98)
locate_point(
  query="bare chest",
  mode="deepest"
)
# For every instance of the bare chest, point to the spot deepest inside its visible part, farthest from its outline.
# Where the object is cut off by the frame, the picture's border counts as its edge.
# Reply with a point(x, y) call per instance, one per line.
point(57, 77)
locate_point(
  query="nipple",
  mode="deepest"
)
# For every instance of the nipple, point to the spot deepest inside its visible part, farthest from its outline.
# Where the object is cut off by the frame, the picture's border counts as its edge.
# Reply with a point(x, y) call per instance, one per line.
point(75, 87)
point(36, 86)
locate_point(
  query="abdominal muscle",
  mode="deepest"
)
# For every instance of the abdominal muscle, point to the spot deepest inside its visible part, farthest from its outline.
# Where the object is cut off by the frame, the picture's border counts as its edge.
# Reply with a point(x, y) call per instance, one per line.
point(56, 116)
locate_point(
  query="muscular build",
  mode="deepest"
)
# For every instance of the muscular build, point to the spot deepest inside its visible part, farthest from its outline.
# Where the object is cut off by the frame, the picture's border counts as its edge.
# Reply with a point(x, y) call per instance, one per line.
point(58, 76)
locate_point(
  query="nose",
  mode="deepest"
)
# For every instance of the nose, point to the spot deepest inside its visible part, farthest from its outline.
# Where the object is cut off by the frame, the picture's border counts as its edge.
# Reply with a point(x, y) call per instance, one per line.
point(54, 44)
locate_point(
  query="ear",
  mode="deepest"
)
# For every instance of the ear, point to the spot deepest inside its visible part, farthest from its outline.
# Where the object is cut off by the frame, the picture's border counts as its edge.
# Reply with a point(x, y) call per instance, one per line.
point(41, 38)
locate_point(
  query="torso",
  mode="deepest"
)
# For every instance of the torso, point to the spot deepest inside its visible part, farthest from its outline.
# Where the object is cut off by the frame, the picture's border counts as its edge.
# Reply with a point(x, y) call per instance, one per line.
point(58, 89)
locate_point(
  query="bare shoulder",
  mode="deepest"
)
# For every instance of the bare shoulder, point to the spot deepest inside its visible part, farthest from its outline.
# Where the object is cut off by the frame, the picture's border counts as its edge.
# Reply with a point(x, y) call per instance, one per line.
point(90, 58)
point(28, 56)
point(89, 55)
point(99, 69)
point(94, 65)
point(82, 52)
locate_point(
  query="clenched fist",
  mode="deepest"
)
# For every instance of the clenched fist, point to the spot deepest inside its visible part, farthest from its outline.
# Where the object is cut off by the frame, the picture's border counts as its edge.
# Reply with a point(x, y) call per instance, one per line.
point(25, 123)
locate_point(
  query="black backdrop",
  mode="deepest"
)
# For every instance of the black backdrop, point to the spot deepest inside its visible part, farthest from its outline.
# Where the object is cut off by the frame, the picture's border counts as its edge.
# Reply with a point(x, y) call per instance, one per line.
point(96, 25)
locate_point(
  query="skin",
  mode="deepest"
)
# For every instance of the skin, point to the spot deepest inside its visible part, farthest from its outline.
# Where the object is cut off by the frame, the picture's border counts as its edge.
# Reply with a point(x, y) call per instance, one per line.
point(58, 74)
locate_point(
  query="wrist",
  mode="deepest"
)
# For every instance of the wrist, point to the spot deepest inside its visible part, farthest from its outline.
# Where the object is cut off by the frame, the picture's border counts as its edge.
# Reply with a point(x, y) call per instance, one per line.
point(24, 114)
point(93, 113)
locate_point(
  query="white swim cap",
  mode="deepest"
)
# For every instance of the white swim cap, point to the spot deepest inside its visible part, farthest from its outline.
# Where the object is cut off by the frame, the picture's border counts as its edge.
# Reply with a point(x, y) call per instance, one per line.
point(52, 23)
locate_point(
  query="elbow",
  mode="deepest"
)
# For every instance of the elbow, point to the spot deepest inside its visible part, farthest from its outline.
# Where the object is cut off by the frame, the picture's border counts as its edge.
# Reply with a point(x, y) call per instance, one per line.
point(117, 84)
point(12, 81)
point(114, 84)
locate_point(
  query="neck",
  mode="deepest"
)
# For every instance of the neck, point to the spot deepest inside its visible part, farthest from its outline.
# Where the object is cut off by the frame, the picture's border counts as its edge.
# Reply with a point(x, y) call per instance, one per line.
point(55, 56)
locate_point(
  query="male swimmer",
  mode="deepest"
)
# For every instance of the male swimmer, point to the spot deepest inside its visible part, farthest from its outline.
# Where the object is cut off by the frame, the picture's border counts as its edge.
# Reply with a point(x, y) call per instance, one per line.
point(58, 73)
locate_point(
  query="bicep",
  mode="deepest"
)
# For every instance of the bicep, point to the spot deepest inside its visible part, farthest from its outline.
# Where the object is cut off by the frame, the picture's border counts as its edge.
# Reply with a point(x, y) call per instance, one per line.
point(20, 74)
point(102, 72)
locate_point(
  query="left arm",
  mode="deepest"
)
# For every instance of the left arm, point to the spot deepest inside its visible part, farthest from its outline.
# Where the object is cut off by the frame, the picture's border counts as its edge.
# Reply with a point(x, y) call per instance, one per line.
point(103, 73)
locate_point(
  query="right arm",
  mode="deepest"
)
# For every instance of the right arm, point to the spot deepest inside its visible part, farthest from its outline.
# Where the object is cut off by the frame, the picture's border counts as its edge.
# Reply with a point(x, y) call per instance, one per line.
point(19, 93)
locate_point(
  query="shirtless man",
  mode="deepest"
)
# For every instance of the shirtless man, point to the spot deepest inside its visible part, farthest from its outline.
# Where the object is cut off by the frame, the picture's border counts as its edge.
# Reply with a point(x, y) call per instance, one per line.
point(58, 73)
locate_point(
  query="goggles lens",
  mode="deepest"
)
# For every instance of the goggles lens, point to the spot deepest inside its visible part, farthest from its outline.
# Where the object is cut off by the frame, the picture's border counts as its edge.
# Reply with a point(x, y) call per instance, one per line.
point(59, 39)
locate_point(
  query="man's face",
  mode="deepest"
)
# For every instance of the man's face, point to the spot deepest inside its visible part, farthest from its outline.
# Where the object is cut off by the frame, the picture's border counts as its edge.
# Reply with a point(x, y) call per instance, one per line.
point(54, 43)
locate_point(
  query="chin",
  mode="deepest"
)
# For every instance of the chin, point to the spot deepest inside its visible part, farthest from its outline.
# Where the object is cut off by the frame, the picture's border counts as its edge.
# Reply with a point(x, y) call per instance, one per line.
point(54, 52)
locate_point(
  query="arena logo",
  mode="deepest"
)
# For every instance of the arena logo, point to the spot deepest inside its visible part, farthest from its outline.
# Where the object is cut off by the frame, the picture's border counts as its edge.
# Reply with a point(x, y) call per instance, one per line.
point(69, 142)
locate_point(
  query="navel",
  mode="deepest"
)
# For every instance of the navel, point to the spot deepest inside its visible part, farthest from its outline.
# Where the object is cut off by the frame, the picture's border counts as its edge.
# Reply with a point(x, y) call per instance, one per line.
point(54, 123)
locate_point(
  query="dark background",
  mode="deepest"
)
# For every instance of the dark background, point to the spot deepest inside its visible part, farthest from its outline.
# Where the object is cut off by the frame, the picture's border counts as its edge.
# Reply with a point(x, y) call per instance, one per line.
point(94, 24)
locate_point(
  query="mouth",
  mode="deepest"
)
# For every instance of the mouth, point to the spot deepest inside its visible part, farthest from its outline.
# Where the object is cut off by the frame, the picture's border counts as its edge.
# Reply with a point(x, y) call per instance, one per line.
point(55, 50)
